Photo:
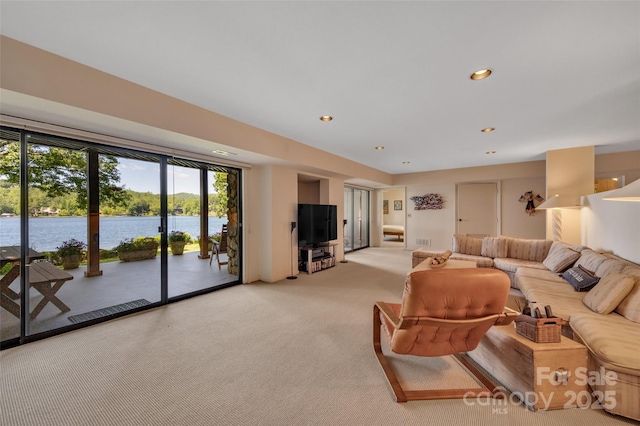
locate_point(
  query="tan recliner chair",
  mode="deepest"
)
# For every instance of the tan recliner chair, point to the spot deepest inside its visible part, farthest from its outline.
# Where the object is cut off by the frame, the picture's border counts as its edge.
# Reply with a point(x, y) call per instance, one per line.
point(443, 312)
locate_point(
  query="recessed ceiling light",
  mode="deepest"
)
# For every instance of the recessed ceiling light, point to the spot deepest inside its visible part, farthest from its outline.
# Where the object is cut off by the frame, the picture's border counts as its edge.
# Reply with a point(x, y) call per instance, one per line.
point(406, 162)
point(221, 152)
point(480, 74)
point(379, 148)
point(488, 129)
point(326, 118)
point(490, 152)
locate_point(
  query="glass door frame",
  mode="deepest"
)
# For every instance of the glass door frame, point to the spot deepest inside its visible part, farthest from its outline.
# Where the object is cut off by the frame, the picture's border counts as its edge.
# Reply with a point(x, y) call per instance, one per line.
point(355, 222)
point(25, 336)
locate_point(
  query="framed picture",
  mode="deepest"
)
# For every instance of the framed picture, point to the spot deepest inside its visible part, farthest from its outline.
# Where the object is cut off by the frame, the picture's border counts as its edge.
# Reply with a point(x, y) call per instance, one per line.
point(397, 205)
point(385, 206)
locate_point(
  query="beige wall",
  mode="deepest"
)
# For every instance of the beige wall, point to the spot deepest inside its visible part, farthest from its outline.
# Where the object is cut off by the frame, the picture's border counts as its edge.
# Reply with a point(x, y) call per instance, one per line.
point(515, 221)
point(515, 179)
point(612, 226)
point(440, 225)
point(570, 173)
point(278, 207)
point(436, 225)
point(474, 174)
point(626, 164)
point(309, 192)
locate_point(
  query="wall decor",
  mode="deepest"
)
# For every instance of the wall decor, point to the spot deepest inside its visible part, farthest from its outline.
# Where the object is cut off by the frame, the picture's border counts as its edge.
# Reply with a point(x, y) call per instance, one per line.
point(528, 197)
point(428, 202)
point(397, 205)
point(385, 206)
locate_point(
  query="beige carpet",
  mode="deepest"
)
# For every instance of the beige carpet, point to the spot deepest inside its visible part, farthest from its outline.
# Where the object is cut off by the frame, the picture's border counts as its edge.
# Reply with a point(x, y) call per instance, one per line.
point(296, 352)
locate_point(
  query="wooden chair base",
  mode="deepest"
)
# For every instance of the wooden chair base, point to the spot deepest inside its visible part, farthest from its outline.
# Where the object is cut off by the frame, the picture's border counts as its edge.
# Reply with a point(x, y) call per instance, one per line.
point(488, 389)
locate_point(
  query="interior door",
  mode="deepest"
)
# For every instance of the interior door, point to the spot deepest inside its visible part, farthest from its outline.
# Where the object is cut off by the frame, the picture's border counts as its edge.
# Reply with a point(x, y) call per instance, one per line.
point(477, 209)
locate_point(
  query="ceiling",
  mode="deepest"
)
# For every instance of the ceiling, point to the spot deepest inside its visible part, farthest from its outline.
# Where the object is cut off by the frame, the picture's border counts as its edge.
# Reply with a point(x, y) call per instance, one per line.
point(392, 74)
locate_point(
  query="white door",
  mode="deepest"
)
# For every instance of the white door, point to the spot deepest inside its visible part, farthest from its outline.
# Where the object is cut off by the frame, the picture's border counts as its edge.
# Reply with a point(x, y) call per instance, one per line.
point(477, 209)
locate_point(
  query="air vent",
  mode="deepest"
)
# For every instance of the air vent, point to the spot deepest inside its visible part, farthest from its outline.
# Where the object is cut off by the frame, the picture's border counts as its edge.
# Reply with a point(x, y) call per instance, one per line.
point(423, 242)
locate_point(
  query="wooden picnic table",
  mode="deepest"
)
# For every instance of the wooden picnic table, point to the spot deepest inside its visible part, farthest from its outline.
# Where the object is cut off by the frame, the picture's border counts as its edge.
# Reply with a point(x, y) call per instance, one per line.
point(43, 276)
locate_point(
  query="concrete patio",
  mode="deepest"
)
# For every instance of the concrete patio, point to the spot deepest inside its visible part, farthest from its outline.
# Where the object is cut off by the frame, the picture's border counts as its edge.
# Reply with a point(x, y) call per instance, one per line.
point(120, 283)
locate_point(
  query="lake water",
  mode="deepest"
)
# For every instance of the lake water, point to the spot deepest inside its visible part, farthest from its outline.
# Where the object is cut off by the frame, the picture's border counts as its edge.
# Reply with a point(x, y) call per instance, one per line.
point(47, 233)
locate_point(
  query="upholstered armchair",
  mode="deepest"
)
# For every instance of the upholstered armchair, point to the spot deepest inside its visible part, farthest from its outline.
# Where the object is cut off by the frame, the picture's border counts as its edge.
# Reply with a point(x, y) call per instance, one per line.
point(443, 312)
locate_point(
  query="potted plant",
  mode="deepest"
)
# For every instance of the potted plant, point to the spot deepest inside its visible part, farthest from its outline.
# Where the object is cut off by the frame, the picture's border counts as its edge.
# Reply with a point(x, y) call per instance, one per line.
point(71, 252)
point(177, 241)
point(139, 248)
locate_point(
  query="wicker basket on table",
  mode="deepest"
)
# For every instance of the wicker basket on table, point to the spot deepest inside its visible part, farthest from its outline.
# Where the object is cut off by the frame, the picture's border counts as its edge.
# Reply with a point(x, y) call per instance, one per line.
point(539, 330)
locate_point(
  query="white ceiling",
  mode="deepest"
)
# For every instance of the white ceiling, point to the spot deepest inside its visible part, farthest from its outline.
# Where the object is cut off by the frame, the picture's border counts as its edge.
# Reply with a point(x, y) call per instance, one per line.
point(565, 74)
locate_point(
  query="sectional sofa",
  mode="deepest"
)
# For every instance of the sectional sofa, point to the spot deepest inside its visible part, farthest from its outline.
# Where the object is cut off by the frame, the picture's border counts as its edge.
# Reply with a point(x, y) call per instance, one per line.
point(605, 318)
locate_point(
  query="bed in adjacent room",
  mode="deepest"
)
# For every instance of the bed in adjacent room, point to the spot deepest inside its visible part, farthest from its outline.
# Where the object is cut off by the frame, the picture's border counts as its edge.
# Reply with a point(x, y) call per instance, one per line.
point(397, 230)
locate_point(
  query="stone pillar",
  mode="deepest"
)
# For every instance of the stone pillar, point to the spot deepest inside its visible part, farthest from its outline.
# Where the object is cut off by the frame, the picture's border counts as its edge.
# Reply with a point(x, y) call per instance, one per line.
point(232, 226)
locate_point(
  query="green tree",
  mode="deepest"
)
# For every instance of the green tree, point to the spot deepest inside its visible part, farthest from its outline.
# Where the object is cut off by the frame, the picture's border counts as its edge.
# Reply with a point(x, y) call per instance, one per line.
point(9, 198)
point(139, 208)
point(58, 172)
point(220, 193)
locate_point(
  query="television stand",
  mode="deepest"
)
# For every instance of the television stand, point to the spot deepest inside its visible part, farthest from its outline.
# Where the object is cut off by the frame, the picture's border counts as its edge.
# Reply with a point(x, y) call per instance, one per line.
point(314, 259)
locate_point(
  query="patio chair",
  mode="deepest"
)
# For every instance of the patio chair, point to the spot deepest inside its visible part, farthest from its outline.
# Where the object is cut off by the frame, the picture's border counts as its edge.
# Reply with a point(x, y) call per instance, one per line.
point(443, 312)
point(220, 248)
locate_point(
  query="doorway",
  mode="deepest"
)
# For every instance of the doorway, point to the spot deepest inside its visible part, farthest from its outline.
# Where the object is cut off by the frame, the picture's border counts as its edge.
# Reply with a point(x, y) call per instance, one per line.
point(393, 218)
point(477, 209)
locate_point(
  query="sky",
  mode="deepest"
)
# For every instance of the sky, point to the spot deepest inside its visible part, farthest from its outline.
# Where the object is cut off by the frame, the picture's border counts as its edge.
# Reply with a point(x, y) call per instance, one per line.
point(143, 176)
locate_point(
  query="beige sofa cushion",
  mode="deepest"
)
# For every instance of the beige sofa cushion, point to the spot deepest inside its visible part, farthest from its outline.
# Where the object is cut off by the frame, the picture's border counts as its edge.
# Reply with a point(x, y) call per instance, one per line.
point(546, 288)
point(610, 266)
point(507, 264)
point(467, 245)
point(533, 250)
point(542, 274)
point(590, 260)
point(630, 305)
point(495, 246)
point(560, 257)
point(608, 293)
point(481, 261)
point(612, 339)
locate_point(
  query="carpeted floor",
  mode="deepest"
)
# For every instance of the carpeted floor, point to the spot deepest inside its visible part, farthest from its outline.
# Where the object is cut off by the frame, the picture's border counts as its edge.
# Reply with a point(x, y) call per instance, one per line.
point(295, 352)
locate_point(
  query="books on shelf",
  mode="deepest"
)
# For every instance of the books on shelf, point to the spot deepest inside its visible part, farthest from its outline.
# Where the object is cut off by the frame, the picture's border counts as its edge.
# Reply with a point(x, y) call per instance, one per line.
point(320, 263)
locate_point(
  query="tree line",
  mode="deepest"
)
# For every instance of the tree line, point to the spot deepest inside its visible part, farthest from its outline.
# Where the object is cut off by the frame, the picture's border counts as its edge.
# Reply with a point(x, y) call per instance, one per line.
point(57, 185)
point(135, 203)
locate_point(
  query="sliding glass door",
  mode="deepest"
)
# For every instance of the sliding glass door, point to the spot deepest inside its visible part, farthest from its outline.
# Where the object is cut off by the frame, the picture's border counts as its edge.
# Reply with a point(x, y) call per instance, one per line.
point(356, 214)
point(202, 227)
point(89, 232)
point(11, 262)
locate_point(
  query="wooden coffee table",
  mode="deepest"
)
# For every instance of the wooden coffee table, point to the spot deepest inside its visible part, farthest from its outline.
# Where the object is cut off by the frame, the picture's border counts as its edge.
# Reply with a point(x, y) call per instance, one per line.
point(543, 375)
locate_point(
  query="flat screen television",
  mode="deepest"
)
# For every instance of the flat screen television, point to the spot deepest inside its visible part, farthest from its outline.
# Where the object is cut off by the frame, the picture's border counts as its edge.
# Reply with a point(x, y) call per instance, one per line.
point(317, 224)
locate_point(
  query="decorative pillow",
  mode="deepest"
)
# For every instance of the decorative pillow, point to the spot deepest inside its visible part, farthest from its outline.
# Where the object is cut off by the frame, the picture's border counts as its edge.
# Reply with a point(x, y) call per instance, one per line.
point(610, 266)
point(533, 250)
point(467, 245)
point(590, 260)
point(560, 257)
point(608, 293)
point(630, 306)
point(580, 279)
point(495, 246)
